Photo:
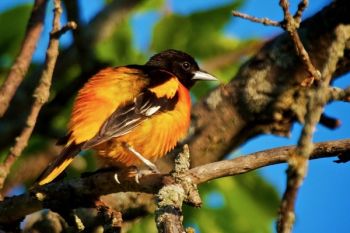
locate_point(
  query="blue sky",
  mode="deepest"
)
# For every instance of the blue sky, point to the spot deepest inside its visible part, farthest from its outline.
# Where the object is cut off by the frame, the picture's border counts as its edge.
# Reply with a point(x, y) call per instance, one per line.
point(322, 204)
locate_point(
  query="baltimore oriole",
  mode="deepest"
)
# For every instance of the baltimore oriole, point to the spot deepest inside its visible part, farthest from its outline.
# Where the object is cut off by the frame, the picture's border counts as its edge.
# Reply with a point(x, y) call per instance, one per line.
point(131, 114)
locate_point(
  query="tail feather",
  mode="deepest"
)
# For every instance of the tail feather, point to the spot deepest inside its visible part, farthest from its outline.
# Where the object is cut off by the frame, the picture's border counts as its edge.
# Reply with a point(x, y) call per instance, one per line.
point(57, 166)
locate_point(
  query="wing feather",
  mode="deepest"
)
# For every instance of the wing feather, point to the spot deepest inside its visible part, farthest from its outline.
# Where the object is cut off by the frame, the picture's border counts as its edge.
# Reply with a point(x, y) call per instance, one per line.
point(126, 118)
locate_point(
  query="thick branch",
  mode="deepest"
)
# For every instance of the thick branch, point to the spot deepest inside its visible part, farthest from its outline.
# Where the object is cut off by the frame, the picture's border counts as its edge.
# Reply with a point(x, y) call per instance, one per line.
point(168, 214)
point(82, 192)
point(21, 65)
point(265, 96)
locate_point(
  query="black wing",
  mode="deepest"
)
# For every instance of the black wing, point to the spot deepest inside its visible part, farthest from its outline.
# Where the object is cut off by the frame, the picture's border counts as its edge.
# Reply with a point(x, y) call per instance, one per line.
point(124, 119)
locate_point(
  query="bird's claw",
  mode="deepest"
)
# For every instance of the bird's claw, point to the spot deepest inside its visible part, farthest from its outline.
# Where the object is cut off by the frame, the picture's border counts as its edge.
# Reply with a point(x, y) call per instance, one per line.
point(116, 178)
point(133, 171)
point(154, 169)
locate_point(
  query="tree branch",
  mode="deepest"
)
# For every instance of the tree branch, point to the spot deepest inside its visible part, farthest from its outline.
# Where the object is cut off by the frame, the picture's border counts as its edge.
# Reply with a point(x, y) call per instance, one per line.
point(298, 162)
point(81, 53)
point(291, 24)
point(41, 94)
point(329, 122)
point(82, 192)
point(316, 101)
point(21, 65)
point(339, 94)
point(265, 96)
point(265, 21)
point(168, 214)
point(301, 7)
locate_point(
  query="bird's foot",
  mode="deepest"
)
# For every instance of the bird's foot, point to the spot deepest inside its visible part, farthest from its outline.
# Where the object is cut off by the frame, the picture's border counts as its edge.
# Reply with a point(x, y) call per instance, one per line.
point(148, 163)
point(135, 172)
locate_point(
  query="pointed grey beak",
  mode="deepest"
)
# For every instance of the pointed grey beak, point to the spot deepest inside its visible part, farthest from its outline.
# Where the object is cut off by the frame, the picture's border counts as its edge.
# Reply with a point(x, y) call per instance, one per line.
point(202, 75)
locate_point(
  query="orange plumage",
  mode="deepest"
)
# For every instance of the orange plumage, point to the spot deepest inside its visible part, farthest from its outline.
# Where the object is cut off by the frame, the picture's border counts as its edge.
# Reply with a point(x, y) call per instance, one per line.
point(146, 108)
point(100, 96)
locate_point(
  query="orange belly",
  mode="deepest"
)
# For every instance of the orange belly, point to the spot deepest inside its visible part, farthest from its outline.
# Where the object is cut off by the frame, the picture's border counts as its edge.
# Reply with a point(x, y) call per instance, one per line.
point(153, 138)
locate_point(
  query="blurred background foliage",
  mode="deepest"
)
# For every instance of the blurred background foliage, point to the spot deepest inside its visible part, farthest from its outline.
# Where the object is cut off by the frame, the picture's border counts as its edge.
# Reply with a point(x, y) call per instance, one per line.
point(246, 203)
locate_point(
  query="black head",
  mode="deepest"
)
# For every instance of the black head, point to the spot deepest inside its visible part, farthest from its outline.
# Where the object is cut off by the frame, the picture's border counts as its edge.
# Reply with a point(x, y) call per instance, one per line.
point(180, 64)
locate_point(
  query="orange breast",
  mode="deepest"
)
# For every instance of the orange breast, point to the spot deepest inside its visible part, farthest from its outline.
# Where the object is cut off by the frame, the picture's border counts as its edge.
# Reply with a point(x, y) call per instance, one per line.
point(154, 137)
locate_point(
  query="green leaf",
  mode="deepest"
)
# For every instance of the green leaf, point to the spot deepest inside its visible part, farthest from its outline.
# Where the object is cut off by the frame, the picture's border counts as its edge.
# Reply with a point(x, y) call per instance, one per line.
point(248, 204)
point(200, 33)
point(244, 204)
point(12, 36)
point(119, 50)
point(146, 224)
point(150, 5)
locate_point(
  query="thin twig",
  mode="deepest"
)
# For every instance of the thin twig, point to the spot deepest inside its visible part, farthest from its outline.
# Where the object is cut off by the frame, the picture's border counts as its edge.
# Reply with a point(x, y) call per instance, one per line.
point(41, 96)
point(290, 24)
point(301, 7)
point(71, 25)
point(21, 65)
point(298, 162)
point(83, 192)
point(265, 21)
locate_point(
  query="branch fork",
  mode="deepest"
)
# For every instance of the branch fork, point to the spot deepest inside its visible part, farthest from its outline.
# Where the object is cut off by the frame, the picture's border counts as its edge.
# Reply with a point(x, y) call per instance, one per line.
point(170, 197)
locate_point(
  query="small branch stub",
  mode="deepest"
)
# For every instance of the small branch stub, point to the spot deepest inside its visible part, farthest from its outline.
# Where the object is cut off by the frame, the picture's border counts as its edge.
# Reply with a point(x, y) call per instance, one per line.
point(182, 165)
point(168, 213)
point(110, 219)
point(170, 197)
point(71, 25)
point(339, 94)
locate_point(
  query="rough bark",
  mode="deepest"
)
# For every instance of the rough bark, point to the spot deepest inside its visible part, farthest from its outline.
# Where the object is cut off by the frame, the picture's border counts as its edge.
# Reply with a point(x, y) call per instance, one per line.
point(265, 96)
point(83, 192)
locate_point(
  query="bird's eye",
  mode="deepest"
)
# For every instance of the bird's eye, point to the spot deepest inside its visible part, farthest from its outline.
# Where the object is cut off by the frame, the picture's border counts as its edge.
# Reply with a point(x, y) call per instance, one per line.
point(186, 65)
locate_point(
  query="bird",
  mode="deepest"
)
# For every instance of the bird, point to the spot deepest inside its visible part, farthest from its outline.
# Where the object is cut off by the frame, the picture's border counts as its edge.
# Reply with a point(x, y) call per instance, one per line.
point(131, 115)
